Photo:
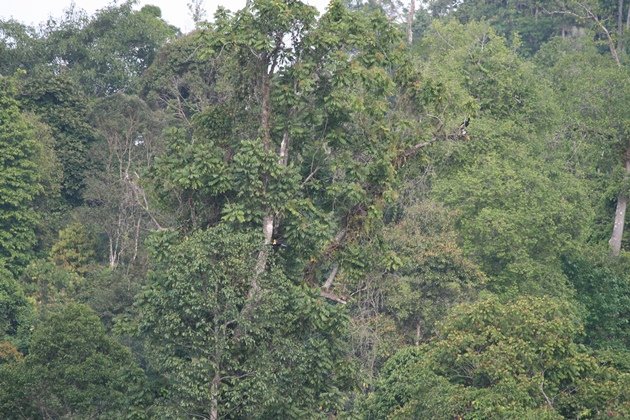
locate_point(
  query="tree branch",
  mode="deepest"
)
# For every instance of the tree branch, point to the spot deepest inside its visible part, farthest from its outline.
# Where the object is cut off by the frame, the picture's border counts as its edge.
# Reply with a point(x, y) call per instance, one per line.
point(331, 277)
point(309, 177)
point(417, 147)
point(333, 297)
point(591, 16)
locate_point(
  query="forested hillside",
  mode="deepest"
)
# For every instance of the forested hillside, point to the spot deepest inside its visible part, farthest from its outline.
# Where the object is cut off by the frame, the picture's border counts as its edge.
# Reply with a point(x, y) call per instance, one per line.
point(395, 209)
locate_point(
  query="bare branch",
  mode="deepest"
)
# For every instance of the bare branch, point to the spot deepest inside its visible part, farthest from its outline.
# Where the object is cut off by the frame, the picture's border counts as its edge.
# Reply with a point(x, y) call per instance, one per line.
point(591, 16)
point(309, 177)
point(417, 147)
point(542, 391)
point(333, 297)
point(140, 194)
point(331, 277)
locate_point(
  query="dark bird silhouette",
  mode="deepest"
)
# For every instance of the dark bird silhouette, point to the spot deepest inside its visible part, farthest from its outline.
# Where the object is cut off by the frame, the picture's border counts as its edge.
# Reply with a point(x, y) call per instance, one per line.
point(462, 128)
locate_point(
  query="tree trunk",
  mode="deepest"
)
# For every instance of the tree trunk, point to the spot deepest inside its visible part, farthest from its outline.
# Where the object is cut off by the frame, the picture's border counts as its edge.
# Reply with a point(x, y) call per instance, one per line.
point(622, 200)
point(620, 215)
point(611, 44)
point(266, 110)
point(410, 16)
point(263, 255)
point(268, 219)
point(331, 277)
point(620, 27)
point(283, 156)
point(214, 399)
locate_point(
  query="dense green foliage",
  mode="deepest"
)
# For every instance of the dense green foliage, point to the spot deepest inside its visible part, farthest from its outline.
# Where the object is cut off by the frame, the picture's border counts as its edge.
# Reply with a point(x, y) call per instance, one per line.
point(73, 369)
point(495, 359)
point(288, 360)
point(19, 181)
point(370, 213)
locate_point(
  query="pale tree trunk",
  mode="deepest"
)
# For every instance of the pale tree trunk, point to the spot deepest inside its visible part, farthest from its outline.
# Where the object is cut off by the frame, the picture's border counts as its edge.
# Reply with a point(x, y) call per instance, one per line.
point(265, 112)
point(112, 254)
point(331, 277)
point(410, 16)
point(622, 200)
point(611, 44)
point(263, 255)
point(283, 157)
point(214, 401)
point(620, 214)
point(268, 219)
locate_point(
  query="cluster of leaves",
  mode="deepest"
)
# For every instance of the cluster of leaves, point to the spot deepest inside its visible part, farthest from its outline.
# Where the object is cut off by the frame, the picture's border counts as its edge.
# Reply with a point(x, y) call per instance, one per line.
point(19, 181)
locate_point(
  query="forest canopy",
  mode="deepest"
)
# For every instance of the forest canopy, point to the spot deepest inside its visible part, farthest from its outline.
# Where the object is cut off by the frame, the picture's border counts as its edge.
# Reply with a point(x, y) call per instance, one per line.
point(389, 210)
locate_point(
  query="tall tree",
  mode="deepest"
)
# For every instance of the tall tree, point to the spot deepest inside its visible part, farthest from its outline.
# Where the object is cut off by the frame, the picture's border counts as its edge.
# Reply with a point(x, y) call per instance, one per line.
point(108, 52)
point(127, 132)
point(532, 22)
point(595, 125)
point(19, 181)
point(288, 360)
point(301, 137)
point(326, 147)
point(59, 102)
point(497, 359)
point(73, 369)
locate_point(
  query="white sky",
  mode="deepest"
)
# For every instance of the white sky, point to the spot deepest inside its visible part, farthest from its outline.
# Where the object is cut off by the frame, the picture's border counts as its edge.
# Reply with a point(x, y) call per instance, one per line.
point(175, 12)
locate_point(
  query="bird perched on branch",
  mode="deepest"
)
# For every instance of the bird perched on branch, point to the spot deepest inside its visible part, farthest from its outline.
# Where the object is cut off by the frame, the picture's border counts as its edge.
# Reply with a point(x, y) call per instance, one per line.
point(276, 244)
point(463, 131)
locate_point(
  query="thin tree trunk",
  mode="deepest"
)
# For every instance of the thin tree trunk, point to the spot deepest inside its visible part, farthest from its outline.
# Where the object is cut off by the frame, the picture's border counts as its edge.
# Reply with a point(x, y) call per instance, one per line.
point(266, 111)
point(112, 258)
point(620, 215)
point(214, 401)
point(611, 44)
point(622, 200)
point(268, 219)
point(410, 16)
point(267, 226)
point(136, 240)
point(283, 157)
point(620, 27)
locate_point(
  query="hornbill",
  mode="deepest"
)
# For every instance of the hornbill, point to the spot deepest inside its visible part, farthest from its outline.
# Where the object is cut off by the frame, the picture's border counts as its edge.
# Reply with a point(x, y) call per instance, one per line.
point(462, 128)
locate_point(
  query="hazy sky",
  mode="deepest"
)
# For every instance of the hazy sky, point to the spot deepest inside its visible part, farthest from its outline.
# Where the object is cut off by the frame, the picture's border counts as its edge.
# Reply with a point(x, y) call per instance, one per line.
point(173, 11)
